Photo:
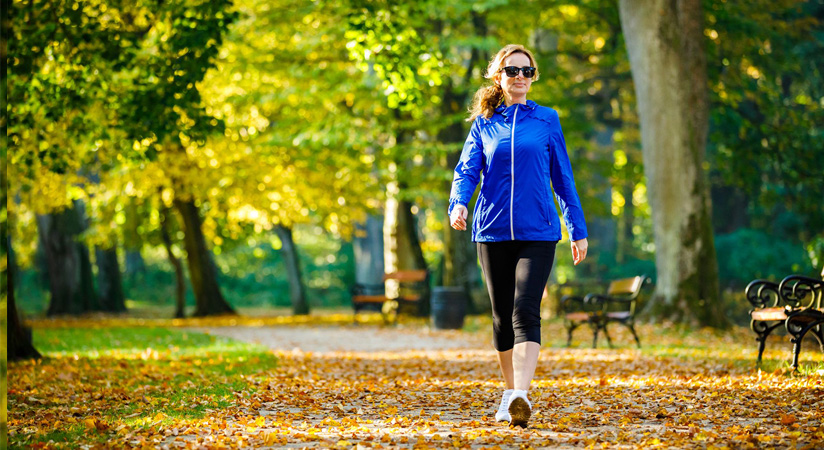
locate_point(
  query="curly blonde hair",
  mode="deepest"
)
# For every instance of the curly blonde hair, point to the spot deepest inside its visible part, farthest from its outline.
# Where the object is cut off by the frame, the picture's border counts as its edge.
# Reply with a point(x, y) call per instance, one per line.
point(487, 98)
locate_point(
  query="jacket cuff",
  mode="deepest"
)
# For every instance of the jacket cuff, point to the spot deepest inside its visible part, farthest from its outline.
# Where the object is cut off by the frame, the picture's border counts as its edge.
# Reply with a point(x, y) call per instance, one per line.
point(452, 203)
point(578, 235)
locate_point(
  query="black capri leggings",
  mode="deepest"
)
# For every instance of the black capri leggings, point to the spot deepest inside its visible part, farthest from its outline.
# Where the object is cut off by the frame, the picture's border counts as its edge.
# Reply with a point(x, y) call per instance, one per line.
point(516, 273)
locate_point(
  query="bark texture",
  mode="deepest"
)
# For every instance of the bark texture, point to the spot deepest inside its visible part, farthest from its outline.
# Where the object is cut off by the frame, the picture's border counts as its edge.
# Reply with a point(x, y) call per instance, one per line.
point(209, 300)
point(368, 247)
point(297, 292)
point(18, 338)
point(402, 248)
point(665, 42)
point(180, 283)
point(18, 343)
point(110, 281)
point(67, 262)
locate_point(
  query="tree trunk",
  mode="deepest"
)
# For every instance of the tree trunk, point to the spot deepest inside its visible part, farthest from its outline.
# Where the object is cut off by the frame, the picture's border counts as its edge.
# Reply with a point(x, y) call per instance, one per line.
point(290, 257)
point(601, 227)
point(180, 285)
point(402, 248)
point(109, 281)
point(18, 338)
point(624, 234)
point(209, 300)
point(67, 262)
point(665, 43)
point(132, 242)
point(134, 264)
point(368, 247)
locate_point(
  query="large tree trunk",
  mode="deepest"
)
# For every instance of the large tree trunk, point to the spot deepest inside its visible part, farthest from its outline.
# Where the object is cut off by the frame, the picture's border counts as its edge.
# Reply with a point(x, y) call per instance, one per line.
point(290, 257)
point(18, 338)
point(402, 248)
point(132, 242)
point(67, 262)
point(368, 247)
point(601, 227)
point(109, 281)
point(19, 341)
point(665, 42)
point(135, 264)
point(209, 300)
point(180, 286)
point(624, 235)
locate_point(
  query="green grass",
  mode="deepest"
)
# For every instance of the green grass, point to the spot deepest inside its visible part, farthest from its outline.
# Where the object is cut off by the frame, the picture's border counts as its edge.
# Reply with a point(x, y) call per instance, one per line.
point(131, 376)
point(97, 342)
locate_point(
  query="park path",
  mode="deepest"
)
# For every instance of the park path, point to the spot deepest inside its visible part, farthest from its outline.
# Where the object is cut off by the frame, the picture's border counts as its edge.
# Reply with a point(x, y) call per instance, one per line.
point(376, 387)
point(367, 386)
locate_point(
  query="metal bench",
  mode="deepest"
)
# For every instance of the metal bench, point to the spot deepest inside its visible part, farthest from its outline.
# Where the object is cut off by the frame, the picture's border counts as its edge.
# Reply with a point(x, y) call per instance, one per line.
point(618, 305)
point(413, 288)
point(796, 303)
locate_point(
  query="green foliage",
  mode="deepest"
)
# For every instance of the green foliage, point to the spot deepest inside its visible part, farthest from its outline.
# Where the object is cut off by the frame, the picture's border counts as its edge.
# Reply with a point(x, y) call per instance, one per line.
point(747, 254)
point(299, 113)
point(251, 273)
point(766, 62)
point(164, 102)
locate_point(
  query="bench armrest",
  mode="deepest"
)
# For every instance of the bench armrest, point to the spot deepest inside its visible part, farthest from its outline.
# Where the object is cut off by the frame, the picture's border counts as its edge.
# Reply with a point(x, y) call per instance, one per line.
point(574, 303)
point(799, 291)
point(606, 299)
point(762, 294)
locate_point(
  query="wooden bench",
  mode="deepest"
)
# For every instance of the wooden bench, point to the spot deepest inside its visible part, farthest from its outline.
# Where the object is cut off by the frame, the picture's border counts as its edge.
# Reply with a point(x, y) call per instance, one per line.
point(413, 287)
point(796, 303)
point(596, 310)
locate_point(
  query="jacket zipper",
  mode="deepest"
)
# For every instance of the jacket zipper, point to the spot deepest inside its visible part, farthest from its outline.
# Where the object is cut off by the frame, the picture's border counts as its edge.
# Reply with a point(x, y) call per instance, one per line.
point(512, 175)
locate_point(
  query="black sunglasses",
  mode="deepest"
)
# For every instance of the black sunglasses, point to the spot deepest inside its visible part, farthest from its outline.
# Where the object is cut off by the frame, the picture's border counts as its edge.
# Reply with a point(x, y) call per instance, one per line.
point(512, 71)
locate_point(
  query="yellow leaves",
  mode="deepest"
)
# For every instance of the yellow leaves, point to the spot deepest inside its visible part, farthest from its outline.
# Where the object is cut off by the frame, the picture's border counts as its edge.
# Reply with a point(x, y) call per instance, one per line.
point(612, 398)
point(95, 424)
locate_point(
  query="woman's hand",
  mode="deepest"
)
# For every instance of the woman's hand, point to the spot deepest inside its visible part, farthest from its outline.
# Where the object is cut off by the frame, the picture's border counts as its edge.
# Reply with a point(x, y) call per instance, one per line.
point(579, 250)
point(458, 217)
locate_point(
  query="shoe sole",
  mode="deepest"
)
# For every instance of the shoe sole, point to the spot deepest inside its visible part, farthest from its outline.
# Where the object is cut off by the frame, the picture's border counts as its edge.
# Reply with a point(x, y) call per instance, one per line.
point(519, 413)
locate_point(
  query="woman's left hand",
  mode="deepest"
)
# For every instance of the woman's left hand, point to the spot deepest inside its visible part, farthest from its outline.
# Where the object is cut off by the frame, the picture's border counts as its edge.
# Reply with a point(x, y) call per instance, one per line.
point(579, 250)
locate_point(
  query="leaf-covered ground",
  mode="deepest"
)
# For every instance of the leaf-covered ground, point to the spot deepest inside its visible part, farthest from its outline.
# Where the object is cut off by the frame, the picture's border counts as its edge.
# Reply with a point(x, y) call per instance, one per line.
point(121, 383)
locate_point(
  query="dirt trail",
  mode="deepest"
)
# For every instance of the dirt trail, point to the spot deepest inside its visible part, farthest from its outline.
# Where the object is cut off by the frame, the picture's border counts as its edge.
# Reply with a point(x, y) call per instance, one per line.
point(336, 339)
point(368, 387)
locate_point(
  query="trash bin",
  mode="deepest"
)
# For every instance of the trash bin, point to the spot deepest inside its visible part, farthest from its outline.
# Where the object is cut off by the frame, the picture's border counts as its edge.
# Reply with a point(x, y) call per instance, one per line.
point(448, 307)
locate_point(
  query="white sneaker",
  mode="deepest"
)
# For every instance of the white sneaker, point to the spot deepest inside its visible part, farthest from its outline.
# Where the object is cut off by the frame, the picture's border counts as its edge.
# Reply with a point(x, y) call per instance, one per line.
point(519, 409)
point(503, 413)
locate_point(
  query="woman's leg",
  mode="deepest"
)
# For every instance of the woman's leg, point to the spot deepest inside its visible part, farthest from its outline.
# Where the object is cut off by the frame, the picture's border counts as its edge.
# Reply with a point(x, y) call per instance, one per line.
point(524, 361)
point(498, 260)
point(507, 371)
point(533, 267)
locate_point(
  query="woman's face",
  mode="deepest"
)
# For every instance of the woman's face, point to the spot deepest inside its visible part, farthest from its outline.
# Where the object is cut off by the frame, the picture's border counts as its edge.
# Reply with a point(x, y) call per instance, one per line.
point(515, 87)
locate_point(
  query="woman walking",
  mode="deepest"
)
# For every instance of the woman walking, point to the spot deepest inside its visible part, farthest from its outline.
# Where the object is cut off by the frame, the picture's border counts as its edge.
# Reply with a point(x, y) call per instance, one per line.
point(516, 148)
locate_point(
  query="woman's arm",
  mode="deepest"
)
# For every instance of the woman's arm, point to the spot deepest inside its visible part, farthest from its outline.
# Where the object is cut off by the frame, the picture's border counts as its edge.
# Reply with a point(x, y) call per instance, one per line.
point(468, 171)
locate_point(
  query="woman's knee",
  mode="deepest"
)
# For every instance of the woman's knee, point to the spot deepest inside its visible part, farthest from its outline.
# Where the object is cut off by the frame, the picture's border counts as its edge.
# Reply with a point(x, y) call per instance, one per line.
point(526, 322)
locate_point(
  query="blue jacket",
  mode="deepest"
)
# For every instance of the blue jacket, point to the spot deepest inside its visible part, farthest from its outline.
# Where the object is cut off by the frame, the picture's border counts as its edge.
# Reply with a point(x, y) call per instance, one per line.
point(515, 201)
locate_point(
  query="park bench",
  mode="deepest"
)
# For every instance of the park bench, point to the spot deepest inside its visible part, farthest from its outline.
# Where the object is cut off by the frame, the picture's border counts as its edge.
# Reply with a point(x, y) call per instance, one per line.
point(413, 287)
point(796, 303)
point(618, 305)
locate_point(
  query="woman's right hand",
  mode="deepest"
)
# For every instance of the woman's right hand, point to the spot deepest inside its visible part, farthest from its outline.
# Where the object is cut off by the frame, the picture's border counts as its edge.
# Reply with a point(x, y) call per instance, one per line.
point(458, 217)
